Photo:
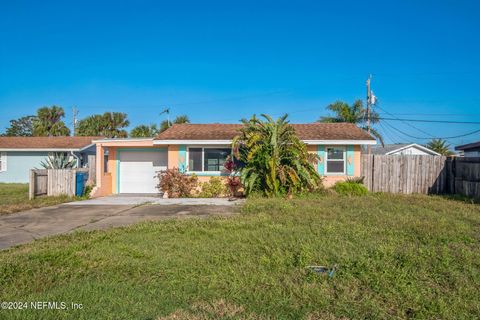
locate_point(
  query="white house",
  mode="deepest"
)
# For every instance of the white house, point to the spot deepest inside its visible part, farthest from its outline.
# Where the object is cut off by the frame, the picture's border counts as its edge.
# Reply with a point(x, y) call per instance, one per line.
point(411, 149)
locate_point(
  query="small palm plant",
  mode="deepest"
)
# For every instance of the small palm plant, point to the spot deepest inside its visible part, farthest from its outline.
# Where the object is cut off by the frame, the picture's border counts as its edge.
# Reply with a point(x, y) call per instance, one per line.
point(355, 113)
point(59, 160)
point(276, 160)
point(440, 146)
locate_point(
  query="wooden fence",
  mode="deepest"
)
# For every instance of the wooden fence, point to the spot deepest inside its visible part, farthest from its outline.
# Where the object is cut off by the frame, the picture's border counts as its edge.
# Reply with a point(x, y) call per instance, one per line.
point(405, 174)
point(465, 176)
point(53, 182)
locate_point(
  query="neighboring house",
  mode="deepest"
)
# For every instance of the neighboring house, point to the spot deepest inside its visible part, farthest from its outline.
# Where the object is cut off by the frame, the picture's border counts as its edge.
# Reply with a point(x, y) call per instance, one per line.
point(133, 164)
point(470, 150)
point(404, 149)
point(20, 154)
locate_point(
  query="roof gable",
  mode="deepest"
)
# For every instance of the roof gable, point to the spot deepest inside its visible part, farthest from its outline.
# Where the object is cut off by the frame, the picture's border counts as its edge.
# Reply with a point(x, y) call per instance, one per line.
point(307, 131)
point(389, 149)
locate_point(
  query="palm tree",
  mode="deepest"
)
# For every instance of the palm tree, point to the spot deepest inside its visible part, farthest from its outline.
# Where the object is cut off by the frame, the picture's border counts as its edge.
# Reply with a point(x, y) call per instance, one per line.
point(114, 123)
point(275, 160)
point(440, 146)
point(164, 125)
point(355, 113)
point(48, 122)
point(144, 131)
point(109, 124)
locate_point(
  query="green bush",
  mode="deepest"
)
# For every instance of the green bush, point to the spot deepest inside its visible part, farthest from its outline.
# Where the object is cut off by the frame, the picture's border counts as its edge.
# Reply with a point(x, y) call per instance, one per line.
point(350, 188)
point(213, 188)
point(86, 192)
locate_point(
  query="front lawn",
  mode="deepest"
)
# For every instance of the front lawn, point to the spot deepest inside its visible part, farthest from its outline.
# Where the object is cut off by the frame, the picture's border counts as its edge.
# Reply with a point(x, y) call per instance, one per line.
point(398, 257)
point(14, 198)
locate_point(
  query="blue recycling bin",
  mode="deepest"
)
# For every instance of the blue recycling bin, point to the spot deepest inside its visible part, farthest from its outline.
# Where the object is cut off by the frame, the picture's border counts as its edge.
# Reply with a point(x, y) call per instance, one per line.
point(81, 181)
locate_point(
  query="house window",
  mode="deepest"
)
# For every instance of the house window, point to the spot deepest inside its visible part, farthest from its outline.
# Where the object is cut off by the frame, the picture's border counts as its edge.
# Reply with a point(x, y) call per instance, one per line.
point(195, 159)
point(335, 160)
point(3, 161)
point(207, 159)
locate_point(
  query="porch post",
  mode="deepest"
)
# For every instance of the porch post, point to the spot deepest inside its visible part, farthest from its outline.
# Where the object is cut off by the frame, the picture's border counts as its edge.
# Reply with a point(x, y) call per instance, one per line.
point(99, 162)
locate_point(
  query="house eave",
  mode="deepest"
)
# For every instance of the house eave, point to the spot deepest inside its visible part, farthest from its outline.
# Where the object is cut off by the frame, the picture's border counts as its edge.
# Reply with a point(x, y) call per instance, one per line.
point(41, 149)
point(120, 140)
point(341, 142)
point(227, 142)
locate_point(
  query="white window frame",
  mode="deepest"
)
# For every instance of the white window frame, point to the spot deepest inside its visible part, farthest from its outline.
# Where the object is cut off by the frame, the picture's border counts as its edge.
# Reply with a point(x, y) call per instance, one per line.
point(203, 158)
point(3, 161)
point(344, 172)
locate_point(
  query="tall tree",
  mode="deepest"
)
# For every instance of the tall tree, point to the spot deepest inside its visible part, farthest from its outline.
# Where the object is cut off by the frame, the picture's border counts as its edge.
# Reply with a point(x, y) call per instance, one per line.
point(115, 122)
point(164, 125)
point(441, 146)
point(109, 124)
point(21, 127)
point(49, 122)
point(355, 113)
point(144, 131)
point(276, 160)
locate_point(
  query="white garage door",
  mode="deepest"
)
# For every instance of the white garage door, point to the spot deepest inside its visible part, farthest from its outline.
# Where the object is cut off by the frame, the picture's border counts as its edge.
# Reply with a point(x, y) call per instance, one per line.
point(138, 170)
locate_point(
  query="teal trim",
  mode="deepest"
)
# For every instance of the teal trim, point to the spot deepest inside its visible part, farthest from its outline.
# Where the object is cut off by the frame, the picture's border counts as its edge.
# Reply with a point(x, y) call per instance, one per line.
point(350, 160)
point(209, 174)
point(119, 150)
point(118, 172)
point(182, 158)
point(321, 160)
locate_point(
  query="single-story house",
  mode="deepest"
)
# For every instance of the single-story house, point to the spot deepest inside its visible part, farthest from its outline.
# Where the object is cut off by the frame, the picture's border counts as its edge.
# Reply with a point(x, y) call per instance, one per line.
point(20, 154)
point(470, 150)
point(404, 149)
point(201, 149)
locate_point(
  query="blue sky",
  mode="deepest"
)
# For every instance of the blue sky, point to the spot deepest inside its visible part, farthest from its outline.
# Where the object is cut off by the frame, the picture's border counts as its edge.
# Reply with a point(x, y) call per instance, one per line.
point(219, 61)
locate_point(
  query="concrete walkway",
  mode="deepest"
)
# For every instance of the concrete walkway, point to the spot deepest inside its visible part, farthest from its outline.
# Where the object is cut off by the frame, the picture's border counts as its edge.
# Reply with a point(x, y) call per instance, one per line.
point(135, 200)
point(23, 227)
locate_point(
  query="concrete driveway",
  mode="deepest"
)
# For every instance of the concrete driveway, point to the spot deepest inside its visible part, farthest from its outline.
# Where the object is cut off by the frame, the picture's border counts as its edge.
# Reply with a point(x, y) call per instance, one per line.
point(22, 227)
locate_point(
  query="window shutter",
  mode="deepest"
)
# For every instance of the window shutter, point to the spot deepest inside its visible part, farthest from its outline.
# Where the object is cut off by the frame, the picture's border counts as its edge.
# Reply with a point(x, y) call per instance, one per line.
point(321, 160)
point(350, 161)
point(182, 158)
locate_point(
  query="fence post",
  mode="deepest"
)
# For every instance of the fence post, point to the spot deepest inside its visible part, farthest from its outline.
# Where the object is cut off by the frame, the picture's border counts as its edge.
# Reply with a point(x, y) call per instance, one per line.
point(31, 185)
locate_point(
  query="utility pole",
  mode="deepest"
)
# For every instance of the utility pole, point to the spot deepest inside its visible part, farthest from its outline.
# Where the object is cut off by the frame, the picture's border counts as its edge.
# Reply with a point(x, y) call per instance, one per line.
point(369, 101)
point(75, 114)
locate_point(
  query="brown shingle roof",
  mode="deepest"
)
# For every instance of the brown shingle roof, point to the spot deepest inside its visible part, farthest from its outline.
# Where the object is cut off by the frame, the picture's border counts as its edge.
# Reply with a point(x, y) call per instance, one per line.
point(45, 142)
point(307, 131)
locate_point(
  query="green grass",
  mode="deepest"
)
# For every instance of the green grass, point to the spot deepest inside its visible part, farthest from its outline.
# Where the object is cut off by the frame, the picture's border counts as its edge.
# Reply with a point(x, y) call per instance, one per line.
point(14, 198)
point(398, 256)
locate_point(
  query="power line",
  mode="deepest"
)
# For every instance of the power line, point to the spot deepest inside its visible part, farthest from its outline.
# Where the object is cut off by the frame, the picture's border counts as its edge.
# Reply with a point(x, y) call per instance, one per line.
point(409, 124)
point(434, 121)
point(387, 134)
point(439, 114)
point(428, 138)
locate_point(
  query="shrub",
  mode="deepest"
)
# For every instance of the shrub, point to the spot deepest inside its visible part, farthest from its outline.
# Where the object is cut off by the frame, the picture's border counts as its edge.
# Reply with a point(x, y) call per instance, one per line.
point(213, 188)
point(358, 180)
point(176, 184)
point(233, 183)
point(350, 188)
point(86, 192)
